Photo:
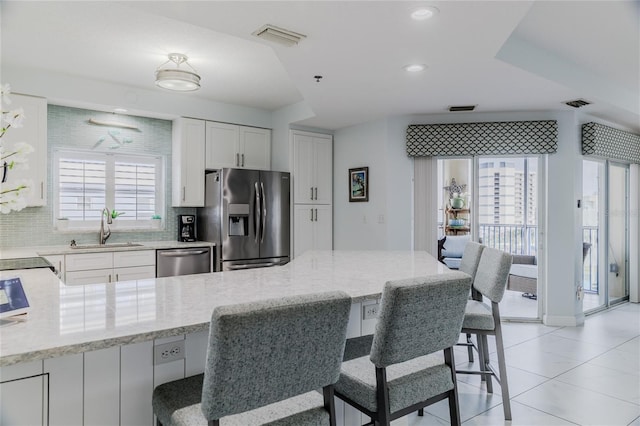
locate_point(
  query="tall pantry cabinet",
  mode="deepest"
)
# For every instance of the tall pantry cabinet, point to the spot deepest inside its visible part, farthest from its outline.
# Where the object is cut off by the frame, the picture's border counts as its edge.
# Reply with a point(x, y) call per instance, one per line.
point(312, 191)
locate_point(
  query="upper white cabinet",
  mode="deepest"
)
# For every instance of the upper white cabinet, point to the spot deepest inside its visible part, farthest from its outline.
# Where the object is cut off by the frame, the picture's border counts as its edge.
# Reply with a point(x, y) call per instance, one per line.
point(312, 168)
point(187, 161)
point(33, 132)
point(230, 145)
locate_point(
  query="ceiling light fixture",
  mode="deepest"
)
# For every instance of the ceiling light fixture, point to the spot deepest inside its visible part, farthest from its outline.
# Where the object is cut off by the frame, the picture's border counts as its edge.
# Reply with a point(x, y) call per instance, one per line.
point(176, 78)
point(424, 13)
point(415, 67)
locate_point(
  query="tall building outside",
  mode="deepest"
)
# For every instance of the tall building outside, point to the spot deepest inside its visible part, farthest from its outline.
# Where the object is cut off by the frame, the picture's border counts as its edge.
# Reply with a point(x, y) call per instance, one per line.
point(507, 203)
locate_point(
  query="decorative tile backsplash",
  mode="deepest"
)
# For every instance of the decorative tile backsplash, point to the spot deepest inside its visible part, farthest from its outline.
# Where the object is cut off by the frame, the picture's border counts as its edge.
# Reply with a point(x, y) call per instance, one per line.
point(70, 128)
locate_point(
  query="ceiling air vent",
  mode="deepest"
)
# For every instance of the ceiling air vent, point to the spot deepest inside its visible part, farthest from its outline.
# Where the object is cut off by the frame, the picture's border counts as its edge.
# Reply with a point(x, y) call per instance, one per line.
point(279, 35)
point(578, 103)
point(458, 108)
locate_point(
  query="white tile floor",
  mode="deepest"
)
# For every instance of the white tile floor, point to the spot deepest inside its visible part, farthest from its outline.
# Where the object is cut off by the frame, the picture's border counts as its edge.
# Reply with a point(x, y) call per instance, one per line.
point(588, 375)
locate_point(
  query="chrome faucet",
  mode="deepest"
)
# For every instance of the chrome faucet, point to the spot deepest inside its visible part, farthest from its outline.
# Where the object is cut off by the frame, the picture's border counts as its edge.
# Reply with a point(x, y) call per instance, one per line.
point(104, 236)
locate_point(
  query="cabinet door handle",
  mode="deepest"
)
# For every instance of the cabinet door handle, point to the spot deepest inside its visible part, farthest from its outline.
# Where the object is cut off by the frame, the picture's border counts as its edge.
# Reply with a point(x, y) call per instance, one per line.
point(311, 195)
point(42, 190)
point(316, 191)
point(109, 277)
point(117, 278)
point(311, 211)
point(316, 214)
point(242, 160)
point(237, 159)
point(183, 192)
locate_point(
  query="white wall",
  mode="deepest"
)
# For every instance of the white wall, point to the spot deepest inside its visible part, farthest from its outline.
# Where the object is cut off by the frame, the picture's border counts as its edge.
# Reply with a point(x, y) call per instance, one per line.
point(384, 222)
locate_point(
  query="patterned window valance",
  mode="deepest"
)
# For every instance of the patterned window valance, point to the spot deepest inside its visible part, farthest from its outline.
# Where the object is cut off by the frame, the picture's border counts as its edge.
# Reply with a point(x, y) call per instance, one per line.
point(492, 138)
point(607, 142)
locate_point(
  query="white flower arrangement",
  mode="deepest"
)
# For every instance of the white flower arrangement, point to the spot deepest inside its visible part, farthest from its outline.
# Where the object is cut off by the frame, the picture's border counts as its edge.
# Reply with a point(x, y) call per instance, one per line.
point(12, 194)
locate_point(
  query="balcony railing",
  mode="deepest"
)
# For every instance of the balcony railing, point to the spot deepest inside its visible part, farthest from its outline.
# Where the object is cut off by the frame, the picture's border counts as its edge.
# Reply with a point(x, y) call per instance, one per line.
point(523, 239)
point(514, 239)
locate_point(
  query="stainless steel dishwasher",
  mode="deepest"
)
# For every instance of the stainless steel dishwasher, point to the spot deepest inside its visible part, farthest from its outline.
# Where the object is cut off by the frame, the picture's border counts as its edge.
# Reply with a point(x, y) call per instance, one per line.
point(183, 261)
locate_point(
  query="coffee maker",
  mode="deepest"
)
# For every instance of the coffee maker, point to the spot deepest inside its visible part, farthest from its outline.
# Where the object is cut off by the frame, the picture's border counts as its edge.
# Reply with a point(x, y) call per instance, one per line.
point(186, 227)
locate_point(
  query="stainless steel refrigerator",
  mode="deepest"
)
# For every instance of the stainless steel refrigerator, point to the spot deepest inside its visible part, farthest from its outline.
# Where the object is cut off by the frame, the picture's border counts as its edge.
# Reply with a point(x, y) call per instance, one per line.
point(247, 214)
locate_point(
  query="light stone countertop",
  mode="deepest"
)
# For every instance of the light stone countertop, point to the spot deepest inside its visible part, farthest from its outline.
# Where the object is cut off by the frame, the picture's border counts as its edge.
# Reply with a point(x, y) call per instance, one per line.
point(19, 252)
point(66, 319)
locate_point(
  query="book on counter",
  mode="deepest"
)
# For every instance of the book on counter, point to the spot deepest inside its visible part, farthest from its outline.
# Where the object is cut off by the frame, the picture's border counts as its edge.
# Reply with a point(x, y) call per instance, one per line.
point(13, 300)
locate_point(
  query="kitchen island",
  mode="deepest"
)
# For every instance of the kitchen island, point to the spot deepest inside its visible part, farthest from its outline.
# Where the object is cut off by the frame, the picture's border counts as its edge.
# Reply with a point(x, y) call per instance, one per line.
point(104, 338)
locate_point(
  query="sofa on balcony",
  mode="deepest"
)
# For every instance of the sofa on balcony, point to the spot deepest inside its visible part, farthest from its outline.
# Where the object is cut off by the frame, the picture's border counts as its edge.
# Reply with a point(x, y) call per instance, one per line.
point(523, 276)
point(450, 249)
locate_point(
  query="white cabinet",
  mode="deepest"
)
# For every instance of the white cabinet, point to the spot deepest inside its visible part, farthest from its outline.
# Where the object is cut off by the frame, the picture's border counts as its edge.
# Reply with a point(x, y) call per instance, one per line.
point(230, 145)
point(255, 148)
point(23, 395)
point(91, 268)
point(33, 132)
point(187, 163)
point(312, 191)
point(313, 227)
point(65, 389)
point(312, 168)
point(136, 384)
point(102, 387)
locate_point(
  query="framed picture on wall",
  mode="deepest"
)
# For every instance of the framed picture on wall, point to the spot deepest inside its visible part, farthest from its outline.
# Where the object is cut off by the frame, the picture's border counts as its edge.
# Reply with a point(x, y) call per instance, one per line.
point(359, 184)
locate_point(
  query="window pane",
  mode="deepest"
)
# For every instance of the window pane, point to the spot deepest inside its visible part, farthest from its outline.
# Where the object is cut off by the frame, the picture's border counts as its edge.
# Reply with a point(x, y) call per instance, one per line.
point(507, 204)
point(135, 190)
point(82, 188)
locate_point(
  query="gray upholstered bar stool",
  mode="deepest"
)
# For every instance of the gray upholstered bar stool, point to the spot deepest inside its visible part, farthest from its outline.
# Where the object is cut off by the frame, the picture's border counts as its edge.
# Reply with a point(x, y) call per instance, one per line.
point(265, 362)
point(469, 264)
point(405, 370)
point(484, 320)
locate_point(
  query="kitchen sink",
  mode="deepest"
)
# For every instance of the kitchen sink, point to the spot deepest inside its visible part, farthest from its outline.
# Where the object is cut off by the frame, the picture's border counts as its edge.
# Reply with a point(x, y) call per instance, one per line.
point(105, 246)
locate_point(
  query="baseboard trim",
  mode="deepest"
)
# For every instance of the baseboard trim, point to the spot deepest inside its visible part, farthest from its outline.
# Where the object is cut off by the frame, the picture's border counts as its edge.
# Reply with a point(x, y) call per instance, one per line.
point(561, 321)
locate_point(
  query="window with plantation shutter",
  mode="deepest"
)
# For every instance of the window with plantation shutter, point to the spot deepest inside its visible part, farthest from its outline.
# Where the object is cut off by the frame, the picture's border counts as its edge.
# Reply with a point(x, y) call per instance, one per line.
point(82, 188)
point(135, 189)
point(87, 182)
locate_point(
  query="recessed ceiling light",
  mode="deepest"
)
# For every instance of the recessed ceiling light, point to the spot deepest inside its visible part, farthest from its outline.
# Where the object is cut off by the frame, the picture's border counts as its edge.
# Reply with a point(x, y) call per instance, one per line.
point(424, 13)
point(119, 110)
point(415, 67)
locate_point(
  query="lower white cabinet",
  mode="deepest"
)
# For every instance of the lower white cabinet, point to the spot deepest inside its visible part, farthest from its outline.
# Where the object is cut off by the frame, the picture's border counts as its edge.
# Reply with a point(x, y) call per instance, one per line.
point(102, 387)
point(66, 391)
point(313, 228)
point(92, 268)
point(23, 395)
point(136, 384)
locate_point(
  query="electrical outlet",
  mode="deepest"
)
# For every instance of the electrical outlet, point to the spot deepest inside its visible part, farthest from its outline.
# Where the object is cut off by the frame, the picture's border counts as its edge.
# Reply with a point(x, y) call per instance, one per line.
point(370, 311)
point(168, 352)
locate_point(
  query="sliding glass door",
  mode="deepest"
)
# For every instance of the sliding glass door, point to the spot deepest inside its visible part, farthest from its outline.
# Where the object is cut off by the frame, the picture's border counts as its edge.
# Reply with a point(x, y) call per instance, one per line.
point(498, 208)
point(618, 232)
point(605, 231)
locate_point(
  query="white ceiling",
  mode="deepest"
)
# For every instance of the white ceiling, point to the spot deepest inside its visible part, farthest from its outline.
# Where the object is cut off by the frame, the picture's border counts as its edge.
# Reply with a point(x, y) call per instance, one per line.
point(498, 55)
